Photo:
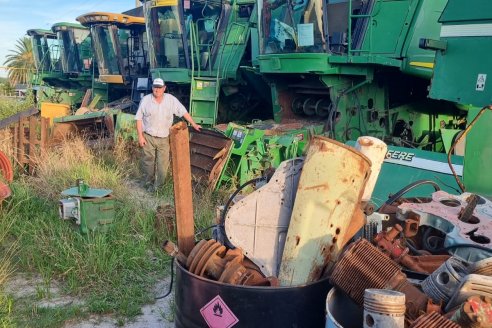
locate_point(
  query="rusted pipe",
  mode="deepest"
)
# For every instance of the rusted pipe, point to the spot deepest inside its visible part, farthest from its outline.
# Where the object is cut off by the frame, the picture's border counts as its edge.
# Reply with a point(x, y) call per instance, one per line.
point(180, 152)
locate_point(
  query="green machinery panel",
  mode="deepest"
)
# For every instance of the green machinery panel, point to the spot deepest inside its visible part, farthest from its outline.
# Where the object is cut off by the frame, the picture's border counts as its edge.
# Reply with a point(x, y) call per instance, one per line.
point(92, 209)
point(403, 166)
point(96, 213)
point(464, 66)
point(262, 146)
point(476, 175)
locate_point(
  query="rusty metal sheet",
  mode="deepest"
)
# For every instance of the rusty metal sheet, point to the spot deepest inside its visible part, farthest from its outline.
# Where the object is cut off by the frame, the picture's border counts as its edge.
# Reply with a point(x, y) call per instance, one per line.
point(329, 192)
point(209, 152)
point(433, 320)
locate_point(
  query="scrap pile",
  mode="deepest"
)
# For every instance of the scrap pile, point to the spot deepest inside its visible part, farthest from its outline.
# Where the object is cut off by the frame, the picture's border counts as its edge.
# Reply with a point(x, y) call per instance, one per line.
point(414, 262)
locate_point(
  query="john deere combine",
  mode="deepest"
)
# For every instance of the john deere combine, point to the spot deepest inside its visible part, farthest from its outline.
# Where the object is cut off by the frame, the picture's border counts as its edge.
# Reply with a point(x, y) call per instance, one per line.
point(120, 47)
point(75, 60)
point(204, 50)
point(46, 53)
point(356, 66)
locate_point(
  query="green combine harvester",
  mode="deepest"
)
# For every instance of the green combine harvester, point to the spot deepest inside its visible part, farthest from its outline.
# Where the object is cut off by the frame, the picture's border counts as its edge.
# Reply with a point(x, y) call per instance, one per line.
point(357, 67)
point(119, 44)
point(46, 54)
point(205, 51)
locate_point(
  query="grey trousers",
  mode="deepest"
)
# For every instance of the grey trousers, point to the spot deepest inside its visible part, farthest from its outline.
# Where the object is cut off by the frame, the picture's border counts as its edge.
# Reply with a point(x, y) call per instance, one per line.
point(155, 160)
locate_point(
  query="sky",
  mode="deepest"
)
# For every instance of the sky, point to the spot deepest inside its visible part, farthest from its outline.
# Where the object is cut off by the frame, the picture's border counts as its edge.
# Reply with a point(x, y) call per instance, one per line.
point(17, 16)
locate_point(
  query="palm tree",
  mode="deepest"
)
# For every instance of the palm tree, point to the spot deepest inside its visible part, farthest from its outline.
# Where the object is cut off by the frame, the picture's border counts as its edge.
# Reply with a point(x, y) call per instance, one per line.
point(20, 62)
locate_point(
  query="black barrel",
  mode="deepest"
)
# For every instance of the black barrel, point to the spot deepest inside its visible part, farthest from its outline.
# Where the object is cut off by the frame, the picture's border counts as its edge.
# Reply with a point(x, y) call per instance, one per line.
point(226, 305)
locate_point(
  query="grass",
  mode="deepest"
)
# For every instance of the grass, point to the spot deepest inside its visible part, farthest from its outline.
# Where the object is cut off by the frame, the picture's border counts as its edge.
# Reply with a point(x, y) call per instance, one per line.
point(113, 272)
point(9, 107)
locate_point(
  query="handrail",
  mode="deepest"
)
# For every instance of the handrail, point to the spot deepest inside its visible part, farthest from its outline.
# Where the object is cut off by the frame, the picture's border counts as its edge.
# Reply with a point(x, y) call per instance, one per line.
point(351, 16)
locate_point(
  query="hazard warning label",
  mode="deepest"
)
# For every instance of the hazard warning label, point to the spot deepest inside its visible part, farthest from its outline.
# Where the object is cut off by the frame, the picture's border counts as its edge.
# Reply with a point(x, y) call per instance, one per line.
point(217, 314)
point(481, 82)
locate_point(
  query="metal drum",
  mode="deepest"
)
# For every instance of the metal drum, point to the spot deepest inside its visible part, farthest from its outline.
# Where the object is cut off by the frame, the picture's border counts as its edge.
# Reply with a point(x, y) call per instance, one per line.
point(202, 302)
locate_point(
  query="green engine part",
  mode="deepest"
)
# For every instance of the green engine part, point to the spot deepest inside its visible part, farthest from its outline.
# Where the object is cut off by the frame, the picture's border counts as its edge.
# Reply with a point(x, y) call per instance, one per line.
point(93, 209)
point(263, 146)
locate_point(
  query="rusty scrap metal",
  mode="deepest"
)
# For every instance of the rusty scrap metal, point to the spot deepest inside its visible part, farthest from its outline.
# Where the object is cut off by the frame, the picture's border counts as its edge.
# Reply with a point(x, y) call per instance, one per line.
point(392, 246)
point(180, 153)
point(412, 223)
point(209, 152)
point(433, 320)
point(470, 226)
point(476, 312)
point(329, 193)
point(212, 260)
point(466, 212)
point(363, 266)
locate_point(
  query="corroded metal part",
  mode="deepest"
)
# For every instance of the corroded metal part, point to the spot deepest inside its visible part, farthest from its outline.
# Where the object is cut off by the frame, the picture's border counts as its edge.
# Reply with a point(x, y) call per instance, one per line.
point(433, 320)
point(212, 260)
point(329, 192)
point(258, 223)
point(209, 152)
point(363, 266)
point(392, 246)
point(412, 223)
point(464, 219)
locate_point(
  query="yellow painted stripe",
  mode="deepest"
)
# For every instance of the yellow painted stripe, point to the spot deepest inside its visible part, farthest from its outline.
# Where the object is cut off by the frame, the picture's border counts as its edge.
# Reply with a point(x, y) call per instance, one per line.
point(422, 64)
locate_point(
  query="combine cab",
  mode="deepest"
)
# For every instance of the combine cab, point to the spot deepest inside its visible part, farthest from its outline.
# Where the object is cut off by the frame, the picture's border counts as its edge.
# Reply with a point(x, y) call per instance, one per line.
point(204, 50)
point(120, 47)
point(50, 80)
point(75, 60)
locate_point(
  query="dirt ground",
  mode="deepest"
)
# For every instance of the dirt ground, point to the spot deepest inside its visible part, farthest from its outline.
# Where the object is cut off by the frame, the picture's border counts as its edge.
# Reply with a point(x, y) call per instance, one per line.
point(157, 315)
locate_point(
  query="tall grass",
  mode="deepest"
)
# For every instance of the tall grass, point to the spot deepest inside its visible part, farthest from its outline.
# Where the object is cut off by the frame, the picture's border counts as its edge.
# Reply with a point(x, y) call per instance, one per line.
point(9, 106)
point(7, 251)
point(112, 271)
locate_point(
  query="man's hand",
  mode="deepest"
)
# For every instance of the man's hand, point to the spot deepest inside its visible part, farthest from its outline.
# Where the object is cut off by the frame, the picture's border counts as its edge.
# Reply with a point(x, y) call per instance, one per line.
point(196, 126)
point(141, 141)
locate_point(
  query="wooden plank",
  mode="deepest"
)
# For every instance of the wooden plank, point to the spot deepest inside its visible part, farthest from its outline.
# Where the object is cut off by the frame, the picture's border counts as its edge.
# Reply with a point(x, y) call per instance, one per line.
point(22, 143)
point(44, 134)
point(33, 140)
point(183, 202)
point(87, 97)
point(15, 140)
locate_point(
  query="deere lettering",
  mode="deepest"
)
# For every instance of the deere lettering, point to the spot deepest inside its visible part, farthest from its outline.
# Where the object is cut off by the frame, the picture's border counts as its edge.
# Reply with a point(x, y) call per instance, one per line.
point(401, 155)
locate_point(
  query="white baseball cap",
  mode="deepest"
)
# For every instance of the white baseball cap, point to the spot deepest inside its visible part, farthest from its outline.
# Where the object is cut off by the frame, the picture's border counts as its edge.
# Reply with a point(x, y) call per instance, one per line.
point(158, 83)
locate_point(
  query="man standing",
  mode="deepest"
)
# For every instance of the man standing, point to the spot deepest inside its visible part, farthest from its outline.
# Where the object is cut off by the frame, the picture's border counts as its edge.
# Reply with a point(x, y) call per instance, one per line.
point(154, 119)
